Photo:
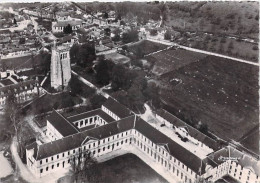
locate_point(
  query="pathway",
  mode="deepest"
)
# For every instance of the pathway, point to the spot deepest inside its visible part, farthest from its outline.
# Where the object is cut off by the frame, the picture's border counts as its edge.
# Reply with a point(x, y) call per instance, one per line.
point(86, 82)
point(202, 51)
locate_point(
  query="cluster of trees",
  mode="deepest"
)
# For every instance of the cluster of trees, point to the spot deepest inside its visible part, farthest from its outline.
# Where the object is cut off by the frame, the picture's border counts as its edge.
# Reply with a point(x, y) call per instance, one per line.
point(67, 29)
point(84, 167)
point(130, 87)
point(130, 36)
point(83, 55)
point(14, 125)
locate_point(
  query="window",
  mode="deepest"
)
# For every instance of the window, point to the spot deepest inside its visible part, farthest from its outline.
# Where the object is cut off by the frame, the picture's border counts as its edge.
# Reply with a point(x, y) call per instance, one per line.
point(46, 160)
point(40, 162)
point(68, 153)
point(58, 164)
point(74, 151)
point(52, 158)
point(47, 168)
point(52, 166)
point(62, 154)
point(57, 156)
point(41, 170)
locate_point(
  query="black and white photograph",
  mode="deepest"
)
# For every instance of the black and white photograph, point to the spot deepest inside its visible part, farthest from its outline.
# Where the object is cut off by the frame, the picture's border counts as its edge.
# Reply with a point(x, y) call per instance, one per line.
point(129, 91)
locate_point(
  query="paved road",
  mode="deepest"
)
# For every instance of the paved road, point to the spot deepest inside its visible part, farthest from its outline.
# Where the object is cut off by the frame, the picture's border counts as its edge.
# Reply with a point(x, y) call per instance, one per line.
point(202, 51)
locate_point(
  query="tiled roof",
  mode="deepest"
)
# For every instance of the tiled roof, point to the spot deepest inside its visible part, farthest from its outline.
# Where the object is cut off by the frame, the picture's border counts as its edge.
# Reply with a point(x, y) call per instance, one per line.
point(117, 108)
point(61, 124)
point(192, 131)
point(180, 153)
point(98, 112)
point(75, 140)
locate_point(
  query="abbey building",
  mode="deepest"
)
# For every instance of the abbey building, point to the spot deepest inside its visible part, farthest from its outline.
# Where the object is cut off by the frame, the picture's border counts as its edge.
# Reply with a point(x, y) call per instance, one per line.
point(114, 127)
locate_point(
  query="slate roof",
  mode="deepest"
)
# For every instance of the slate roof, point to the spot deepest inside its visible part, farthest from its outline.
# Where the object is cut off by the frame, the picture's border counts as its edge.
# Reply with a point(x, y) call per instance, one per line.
point(243, 159)
point(75, 140)
point(120, 110)
point(98, 112)
point(61, 124)
point(192, 131)
point(180, 153)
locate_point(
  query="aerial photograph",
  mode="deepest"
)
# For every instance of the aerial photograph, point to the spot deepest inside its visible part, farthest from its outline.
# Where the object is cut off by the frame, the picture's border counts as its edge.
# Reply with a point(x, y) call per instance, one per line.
point(129, 92)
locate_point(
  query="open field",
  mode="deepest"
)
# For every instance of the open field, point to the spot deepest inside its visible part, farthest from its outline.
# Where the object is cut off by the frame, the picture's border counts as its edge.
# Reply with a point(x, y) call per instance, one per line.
point(146, 47)
point(222, 45)
point(223, 17)
point(218, 92)
point(172, 59)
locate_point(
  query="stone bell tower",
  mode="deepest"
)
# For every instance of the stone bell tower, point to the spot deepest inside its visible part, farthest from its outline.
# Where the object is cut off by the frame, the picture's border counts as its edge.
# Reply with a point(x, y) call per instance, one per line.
point(60, 67)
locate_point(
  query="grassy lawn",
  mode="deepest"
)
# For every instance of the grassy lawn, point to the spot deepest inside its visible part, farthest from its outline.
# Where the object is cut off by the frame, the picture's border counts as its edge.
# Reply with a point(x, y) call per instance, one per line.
point(127, 168)
point(58, 101)
point(218, 92)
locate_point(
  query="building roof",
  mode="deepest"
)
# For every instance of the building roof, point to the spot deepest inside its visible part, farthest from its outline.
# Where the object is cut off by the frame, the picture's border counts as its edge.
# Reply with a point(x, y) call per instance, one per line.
point(65, 23)
point(84, 115)
point(192, 131)
point(118, 109)
point(75, 140)
point(19, 87)
point(62, 125)
point(180, 153)
point(244, 160)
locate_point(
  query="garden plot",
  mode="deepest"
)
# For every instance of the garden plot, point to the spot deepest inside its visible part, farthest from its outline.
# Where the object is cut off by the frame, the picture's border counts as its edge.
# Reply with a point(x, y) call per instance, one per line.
point(173, 59)
point(117, 58)
point(218, 92)
point(146, 47)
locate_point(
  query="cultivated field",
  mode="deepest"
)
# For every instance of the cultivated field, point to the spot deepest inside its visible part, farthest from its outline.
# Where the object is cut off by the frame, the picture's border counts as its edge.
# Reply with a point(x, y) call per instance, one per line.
point(218, 92)
point(172, 59)
point(146, 47)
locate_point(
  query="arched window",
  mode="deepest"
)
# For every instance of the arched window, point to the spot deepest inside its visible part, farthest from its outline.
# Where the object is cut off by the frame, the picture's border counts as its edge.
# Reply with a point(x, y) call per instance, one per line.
point(58, 164)
point(47, 168)
point(52, 166)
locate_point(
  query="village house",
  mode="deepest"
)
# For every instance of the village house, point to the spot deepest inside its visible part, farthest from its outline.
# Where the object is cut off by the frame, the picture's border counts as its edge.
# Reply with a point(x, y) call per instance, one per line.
point(114, 127)
point(59, 25)
point(23, 91)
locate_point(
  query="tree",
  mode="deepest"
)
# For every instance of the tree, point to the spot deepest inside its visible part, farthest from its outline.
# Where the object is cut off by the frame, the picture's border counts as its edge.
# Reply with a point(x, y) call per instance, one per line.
point(130, 36)
point(167, 35)
point(107, 31)
point(230, 45)
point(84, 166)
point(102, 72)
point(21, 40)
point(152, 94)
point(120, 78)
point(74, 53)
point(75, 86)
point(15, 22)
point(153, 32)
point(67, 29)
point(86, 55)
point(96, 101)
point(105, 15)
